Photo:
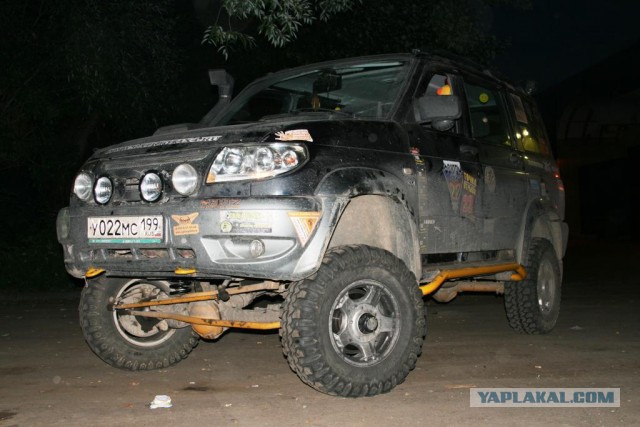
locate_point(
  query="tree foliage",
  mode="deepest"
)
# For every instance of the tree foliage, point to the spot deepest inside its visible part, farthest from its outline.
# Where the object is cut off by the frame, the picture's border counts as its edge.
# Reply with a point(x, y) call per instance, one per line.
point(79, 74)
point(278, 21)
point(76, 74)
point(461, 27)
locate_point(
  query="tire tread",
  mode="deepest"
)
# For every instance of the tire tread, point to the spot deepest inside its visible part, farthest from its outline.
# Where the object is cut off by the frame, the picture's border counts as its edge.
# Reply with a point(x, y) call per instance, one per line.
point(520, 298)
point(110, 347)
point(303, 351)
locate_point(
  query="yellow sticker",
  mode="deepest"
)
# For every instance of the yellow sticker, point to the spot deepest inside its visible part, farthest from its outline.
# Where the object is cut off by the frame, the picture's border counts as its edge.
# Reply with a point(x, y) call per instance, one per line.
point(185, 224)
point(484, 97)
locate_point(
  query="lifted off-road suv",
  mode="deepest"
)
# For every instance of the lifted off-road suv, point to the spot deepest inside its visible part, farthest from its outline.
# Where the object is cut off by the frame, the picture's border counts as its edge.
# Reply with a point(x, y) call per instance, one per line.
point(324, 201)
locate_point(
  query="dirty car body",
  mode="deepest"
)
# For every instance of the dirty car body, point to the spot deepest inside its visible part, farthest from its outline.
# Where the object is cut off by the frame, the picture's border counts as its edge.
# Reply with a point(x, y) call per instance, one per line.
point(324, 201)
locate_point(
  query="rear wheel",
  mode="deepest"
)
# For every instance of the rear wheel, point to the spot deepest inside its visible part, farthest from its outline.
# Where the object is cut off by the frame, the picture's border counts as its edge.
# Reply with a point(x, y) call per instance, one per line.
point(356, 327)
point(126, 341)
point(533, 304)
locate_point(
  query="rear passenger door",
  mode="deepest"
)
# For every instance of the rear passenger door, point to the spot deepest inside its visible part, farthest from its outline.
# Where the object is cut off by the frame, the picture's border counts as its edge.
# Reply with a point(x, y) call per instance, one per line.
point(541, 169)
point(504, 183)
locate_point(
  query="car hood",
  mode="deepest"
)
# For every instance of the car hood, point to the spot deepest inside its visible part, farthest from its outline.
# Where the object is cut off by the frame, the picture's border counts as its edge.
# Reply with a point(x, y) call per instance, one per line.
point(375, 134)
point(199, 138)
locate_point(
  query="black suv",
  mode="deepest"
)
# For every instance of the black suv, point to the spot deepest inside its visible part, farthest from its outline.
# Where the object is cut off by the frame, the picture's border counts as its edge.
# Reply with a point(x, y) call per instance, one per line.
point(324, 201)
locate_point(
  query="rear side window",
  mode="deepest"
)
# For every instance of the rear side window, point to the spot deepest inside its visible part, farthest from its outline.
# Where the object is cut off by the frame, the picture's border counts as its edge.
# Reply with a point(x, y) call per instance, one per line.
point(530, 128)
point(487, 115)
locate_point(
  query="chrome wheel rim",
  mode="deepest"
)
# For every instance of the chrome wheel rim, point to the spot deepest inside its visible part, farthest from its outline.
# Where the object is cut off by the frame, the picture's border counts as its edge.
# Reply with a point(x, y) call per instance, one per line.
point(364, 323)
point(546, 287)
point(131, 328)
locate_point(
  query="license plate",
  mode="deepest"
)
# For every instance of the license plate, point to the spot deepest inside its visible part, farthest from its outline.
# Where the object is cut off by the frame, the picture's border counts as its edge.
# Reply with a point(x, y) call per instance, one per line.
point(125, 229)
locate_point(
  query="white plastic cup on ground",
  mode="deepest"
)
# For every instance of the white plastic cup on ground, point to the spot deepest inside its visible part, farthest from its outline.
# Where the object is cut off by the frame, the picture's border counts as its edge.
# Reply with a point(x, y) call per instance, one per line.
point(161, 401)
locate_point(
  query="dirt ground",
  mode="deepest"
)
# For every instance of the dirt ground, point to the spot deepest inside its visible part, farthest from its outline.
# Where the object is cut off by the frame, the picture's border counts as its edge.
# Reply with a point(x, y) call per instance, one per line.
point(48, 375)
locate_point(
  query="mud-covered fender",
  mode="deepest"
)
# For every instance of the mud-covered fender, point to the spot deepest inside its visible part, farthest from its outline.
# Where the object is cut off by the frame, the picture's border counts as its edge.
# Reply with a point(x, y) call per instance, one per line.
point(379, 212)
point(540, 220)
point(356, 181)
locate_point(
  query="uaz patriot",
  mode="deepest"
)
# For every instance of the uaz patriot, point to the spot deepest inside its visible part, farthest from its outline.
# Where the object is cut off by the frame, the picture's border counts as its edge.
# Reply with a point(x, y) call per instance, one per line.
point(324, 201)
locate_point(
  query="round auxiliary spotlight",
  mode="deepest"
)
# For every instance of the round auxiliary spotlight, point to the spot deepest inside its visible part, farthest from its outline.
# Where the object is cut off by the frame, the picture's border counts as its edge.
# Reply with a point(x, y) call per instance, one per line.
point(103, 190)
point(151, 187)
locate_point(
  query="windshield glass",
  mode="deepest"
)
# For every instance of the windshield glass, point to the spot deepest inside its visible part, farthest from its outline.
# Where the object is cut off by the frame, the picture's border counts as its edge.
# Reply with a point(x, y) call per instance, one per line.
point(364, 90)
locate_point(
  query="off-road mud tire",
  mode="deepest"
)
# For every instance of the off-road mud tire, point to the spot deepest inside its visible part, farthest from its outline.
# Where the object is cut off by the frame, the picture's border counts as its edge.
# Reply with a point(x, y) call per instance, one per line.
point(533, 304)
point(107, 340)
point(309, 321)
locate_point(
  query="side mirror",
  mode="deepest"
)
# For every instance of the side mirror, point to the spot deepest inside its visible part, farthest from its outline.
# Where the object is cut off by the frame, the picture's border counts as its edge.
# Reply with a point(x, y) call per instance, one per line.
point(439, 111)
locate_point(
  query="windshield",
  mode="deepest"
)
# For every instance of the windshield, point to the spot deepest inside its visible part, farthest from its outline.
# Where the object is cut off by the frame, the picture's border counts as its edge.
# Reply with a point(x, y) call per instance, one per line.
point(364, 90)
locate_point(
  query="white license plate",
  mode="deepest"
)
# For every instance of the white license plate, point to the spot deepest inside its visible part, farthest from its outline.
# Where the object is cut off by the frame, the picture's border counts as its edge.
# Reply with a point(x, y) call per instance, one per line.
point(125, 229)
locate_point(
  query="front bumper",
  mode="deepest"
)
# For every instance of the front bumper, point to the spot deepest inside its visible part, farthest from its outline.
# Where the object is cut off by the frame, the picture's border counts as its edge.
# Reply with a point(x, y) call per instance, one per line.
point(275, 238)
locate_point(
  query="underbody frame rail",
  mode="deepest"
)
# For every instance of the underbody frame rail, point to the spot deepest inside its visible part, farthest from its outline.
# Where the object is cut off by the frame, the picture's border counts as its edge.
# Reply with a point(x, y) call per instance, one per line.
point(432, 286)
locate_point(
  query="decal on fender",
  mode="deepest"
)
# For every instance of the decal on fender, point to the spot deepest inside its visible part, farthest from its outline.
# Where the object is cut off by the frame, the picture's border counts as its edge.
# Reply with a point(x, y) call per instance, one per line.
point(246, 222)
point(304, 224)
point(294, 135)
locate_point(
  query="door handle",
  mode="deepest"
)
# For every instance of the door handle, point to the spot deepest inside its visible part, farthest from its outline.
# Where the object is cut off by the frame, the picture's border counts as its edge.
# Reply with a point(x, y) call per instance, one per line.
point(515, 158)
point(468, 149)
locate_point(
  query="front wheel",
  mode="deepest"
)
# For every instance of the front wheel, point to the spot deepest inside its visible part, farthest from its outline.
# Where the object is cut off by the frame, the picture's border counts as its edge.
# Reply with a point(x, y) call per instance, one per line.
point(533, 304)
point(126, 341)
point(356, 327)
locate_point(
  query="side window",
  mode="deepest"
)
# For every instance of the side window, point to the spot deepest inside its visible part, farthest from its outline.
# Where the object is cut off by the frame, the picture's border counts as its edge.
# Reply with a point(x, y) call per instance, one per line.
point(530, 128)
point(487, 115)
point(439, 85)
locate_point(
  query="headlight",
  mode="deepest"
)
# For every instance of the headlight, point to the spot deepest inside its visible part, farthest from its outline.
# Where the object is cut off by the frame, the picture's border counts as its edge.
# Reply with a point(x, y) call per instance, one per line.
point(82, 186)
point(185, 179)
point(103, 190)
point(264, 159)
point(151, 187)
point(255, 162)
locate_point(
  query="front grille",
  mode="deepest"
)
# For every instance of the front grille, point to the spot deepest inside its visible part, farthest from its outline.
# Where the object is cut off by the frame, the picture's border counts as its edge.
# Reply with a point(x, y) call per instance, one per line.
point(119, 254)
point(127, 172)
point(186, 253)
point(154, 253)
point(132, 190)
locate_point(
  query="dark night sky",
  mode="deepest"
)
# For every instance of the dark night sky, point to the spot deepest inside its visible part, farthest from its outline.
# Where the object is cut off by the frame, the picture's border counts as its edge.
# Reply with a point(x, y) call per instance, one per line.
point(559, 38)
